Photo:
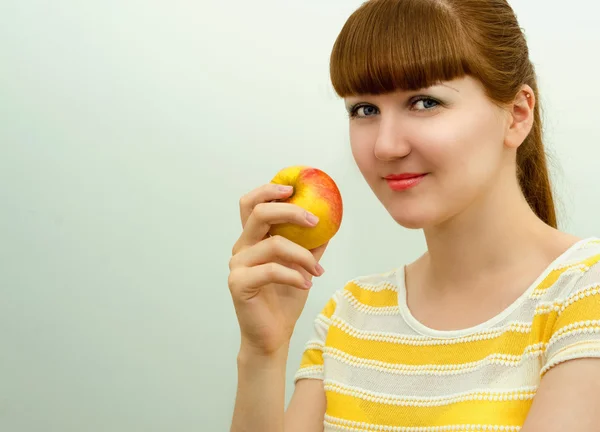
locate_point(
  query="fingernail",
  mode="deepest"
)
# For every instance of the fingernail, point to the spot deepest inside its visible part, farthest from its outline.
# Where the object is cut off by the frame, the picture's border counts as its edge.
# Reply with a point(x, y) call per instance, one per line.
point(307, 284)
point(320, 270)
point(285, 188)
point(311, 218)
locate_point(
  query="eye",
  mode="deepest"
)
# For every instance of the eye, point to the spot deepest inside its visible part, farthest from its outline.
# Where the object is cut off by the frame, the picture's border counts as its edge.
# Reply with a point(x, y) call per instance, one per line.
point(418, 103)
point(362, 111)
point(424, 103)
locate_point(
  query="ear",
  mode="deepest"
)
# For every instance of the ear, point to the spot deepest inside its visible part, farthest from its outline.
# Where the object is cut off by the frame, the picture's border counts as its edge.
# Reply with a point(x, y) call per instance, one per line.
point(521, 117)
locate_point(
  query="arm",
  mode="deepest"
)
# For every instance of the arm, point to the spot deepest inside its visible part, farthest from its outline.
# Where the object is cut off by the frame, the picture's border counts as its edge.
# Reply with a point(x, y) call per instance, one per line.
point(259, 403)
point(306, 410)
point(568, 399)
point(260, 398)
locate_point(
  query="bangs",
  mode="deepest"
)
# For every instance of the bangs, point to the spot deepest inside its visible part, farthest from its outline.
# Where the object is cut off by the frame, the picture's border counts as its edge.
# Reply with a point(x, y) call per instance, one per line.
point(390, 45)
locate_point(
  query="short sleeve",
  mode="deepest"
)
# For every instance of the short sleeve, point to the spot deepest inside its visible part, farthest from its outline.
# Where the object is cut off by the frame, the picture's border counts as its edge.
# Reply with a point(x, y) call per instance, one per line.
point(311, 363)
point(576, 331)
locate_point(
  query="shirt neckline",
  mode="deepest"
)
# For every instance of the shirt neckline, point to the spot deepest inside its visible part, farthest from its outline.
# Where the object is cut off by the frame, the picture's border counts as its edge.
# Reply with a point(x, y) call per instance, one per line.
point(428, 331)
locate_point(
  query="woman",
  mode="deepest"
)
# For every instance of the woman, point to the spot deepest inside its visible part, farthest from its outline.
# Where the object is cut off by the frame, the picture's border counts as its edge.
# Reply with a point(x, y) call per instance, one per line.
point(497, 325)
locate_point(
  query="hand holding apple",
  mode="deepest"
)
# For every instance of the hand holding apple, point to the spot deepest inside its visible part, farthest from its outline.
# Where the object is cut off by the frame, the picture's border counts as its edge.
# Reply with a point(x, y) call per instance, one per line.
point(316, 192)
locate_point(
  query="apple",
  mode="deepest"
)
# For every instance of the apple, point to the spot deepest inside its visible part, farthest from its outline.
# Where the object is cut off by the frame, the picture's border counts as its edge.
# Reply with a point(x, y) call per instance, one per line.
point(316, 192)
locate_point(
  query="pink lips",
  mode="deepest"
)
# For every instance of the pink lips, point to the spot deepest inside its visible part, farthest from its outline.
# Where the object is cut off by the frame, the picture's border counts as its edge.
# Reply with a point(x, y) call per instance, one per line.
point(399, 182)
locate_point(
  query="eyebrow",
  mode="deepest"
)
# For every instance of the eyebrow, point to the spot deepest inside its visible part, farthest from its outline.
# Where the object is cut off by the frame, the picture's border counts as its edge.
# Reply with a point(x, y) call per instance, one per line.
point(348, 106)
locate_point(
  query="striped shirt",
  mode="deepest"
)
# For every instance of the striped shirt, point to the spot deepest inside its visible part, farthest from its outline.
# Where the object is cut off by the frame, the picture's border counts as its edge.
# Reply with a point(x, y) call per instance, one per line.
point(385, 371)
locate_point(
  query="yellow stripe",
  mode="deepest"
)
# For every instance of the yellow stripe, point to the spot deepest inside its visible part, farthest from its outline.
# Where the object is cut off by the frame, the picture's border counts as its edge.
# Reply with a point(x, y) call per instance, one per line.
point(384, 298)
point(311, 357)
point(348, 426)
point(506, 412)
point(551, 279)
point(329, 308)
point(542, 326)
point(533, 352)
point(314, 356)
point(511, 343)
point(555, 274)
point(591, 260)
point(583, 309)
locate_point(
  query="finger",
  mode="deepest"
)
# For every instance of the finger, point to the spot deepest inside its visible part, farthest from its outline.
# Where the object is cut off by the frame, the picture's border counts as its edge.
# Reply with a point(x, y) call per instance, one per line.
point(266, 214)
point(277, 249)
point(265, 193)
point(249, 280)
point(319, 251)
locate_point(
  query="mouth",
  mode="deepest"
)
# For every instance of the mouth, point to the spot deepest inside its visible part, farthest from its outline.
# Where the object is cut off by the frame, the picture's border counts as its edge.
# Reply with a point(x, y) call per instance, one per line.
point(399, 182)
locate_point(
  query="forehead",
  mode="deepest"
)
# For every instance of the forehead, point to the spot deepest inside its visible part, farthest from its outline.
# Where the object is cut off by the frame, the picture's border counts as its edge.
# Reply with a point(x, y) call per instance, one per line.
point(463, 87)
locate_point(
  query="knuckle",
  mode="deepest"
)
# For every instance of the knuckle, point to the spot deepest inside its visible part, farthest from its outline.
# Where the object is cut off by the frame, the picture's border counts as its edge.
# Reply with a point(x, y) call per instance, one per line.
point(271, 270)
point(232, 281)
point(232, 262)
point(243, 201)
point(277, 242)
point(259, 211)
point(237, 247)
point(235, 251)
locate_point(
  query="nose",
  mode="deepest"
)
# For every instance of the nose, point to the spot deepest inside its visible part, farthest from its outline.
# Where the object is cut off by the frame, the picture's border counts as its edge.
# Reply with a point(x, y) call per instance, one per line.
point(391, 143)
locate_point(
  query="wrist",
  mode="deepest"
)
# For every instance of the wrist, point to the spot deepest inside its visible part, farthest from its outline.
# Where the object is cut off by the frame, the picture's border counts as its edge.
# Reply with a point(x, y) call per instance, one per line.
point(251, 356)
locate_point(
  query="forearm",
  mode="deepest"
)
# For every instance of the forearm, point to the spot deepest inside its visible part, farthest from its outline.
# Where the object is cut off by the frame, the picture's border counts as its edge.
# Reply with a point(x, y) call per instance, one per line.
point(260, 398)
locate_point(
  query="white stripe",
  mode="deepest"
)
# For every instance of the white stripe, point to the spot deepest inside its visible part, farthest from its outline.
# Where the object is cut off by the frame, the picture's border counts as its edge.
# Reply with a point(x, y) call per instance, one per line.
point(383, 285)
point(392, 337)
point(572, 353)
point(519, 393)
point(309, 372)
point(580, 327)
point(314, 344)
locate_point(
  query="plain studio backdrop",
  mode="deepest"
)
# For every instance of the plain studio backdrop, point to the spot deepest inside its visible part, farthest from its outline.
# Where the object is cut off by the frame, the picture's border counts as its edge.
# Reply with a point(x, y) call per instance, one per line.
point(128, 132)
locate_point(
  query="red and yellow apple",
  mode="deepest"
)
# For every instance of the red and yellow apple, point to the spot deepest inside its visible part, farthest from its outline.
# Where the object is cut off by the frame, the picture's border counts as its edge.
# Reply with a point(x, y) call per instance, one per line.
point(316, 192)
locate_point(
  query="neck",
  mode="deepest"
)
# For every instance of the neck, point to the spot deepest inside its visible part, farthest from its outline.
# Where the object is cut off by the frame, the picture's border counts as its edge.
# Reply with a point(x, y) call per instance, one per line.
point(497, 231)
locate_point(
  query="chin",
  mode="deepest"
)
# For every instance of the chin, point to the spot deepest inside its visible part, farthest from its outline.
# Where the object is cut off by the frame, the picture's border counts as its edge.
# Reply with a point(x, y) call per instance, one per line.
point(413, 216)
point(414, 220)
point(412, 223)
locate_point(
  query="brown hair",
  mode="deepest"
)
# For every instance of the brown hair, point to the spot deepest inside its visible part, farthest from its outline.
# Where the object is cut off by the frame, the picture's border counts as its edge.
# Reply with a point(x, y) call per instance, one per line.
point(387, 45)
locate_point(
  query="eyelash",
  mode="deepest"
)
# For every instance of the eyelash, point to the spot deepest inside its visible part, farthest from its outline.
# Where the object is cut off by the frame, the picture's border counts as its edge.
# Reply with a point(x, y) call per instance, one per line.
point(354, 108)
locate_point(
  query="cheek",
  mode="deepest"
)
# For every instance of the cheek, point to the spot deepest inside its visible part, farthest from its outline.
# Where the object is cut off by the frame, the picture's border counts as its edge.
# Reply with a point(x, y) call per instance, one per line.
point(464, 142)
point(361, 143)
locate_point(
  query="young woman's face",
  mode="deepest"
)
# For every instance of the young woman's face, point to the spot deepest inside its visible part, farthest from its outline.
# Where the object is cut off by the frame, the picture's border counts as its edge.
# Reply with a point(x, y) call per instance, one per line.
point(450, 135)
